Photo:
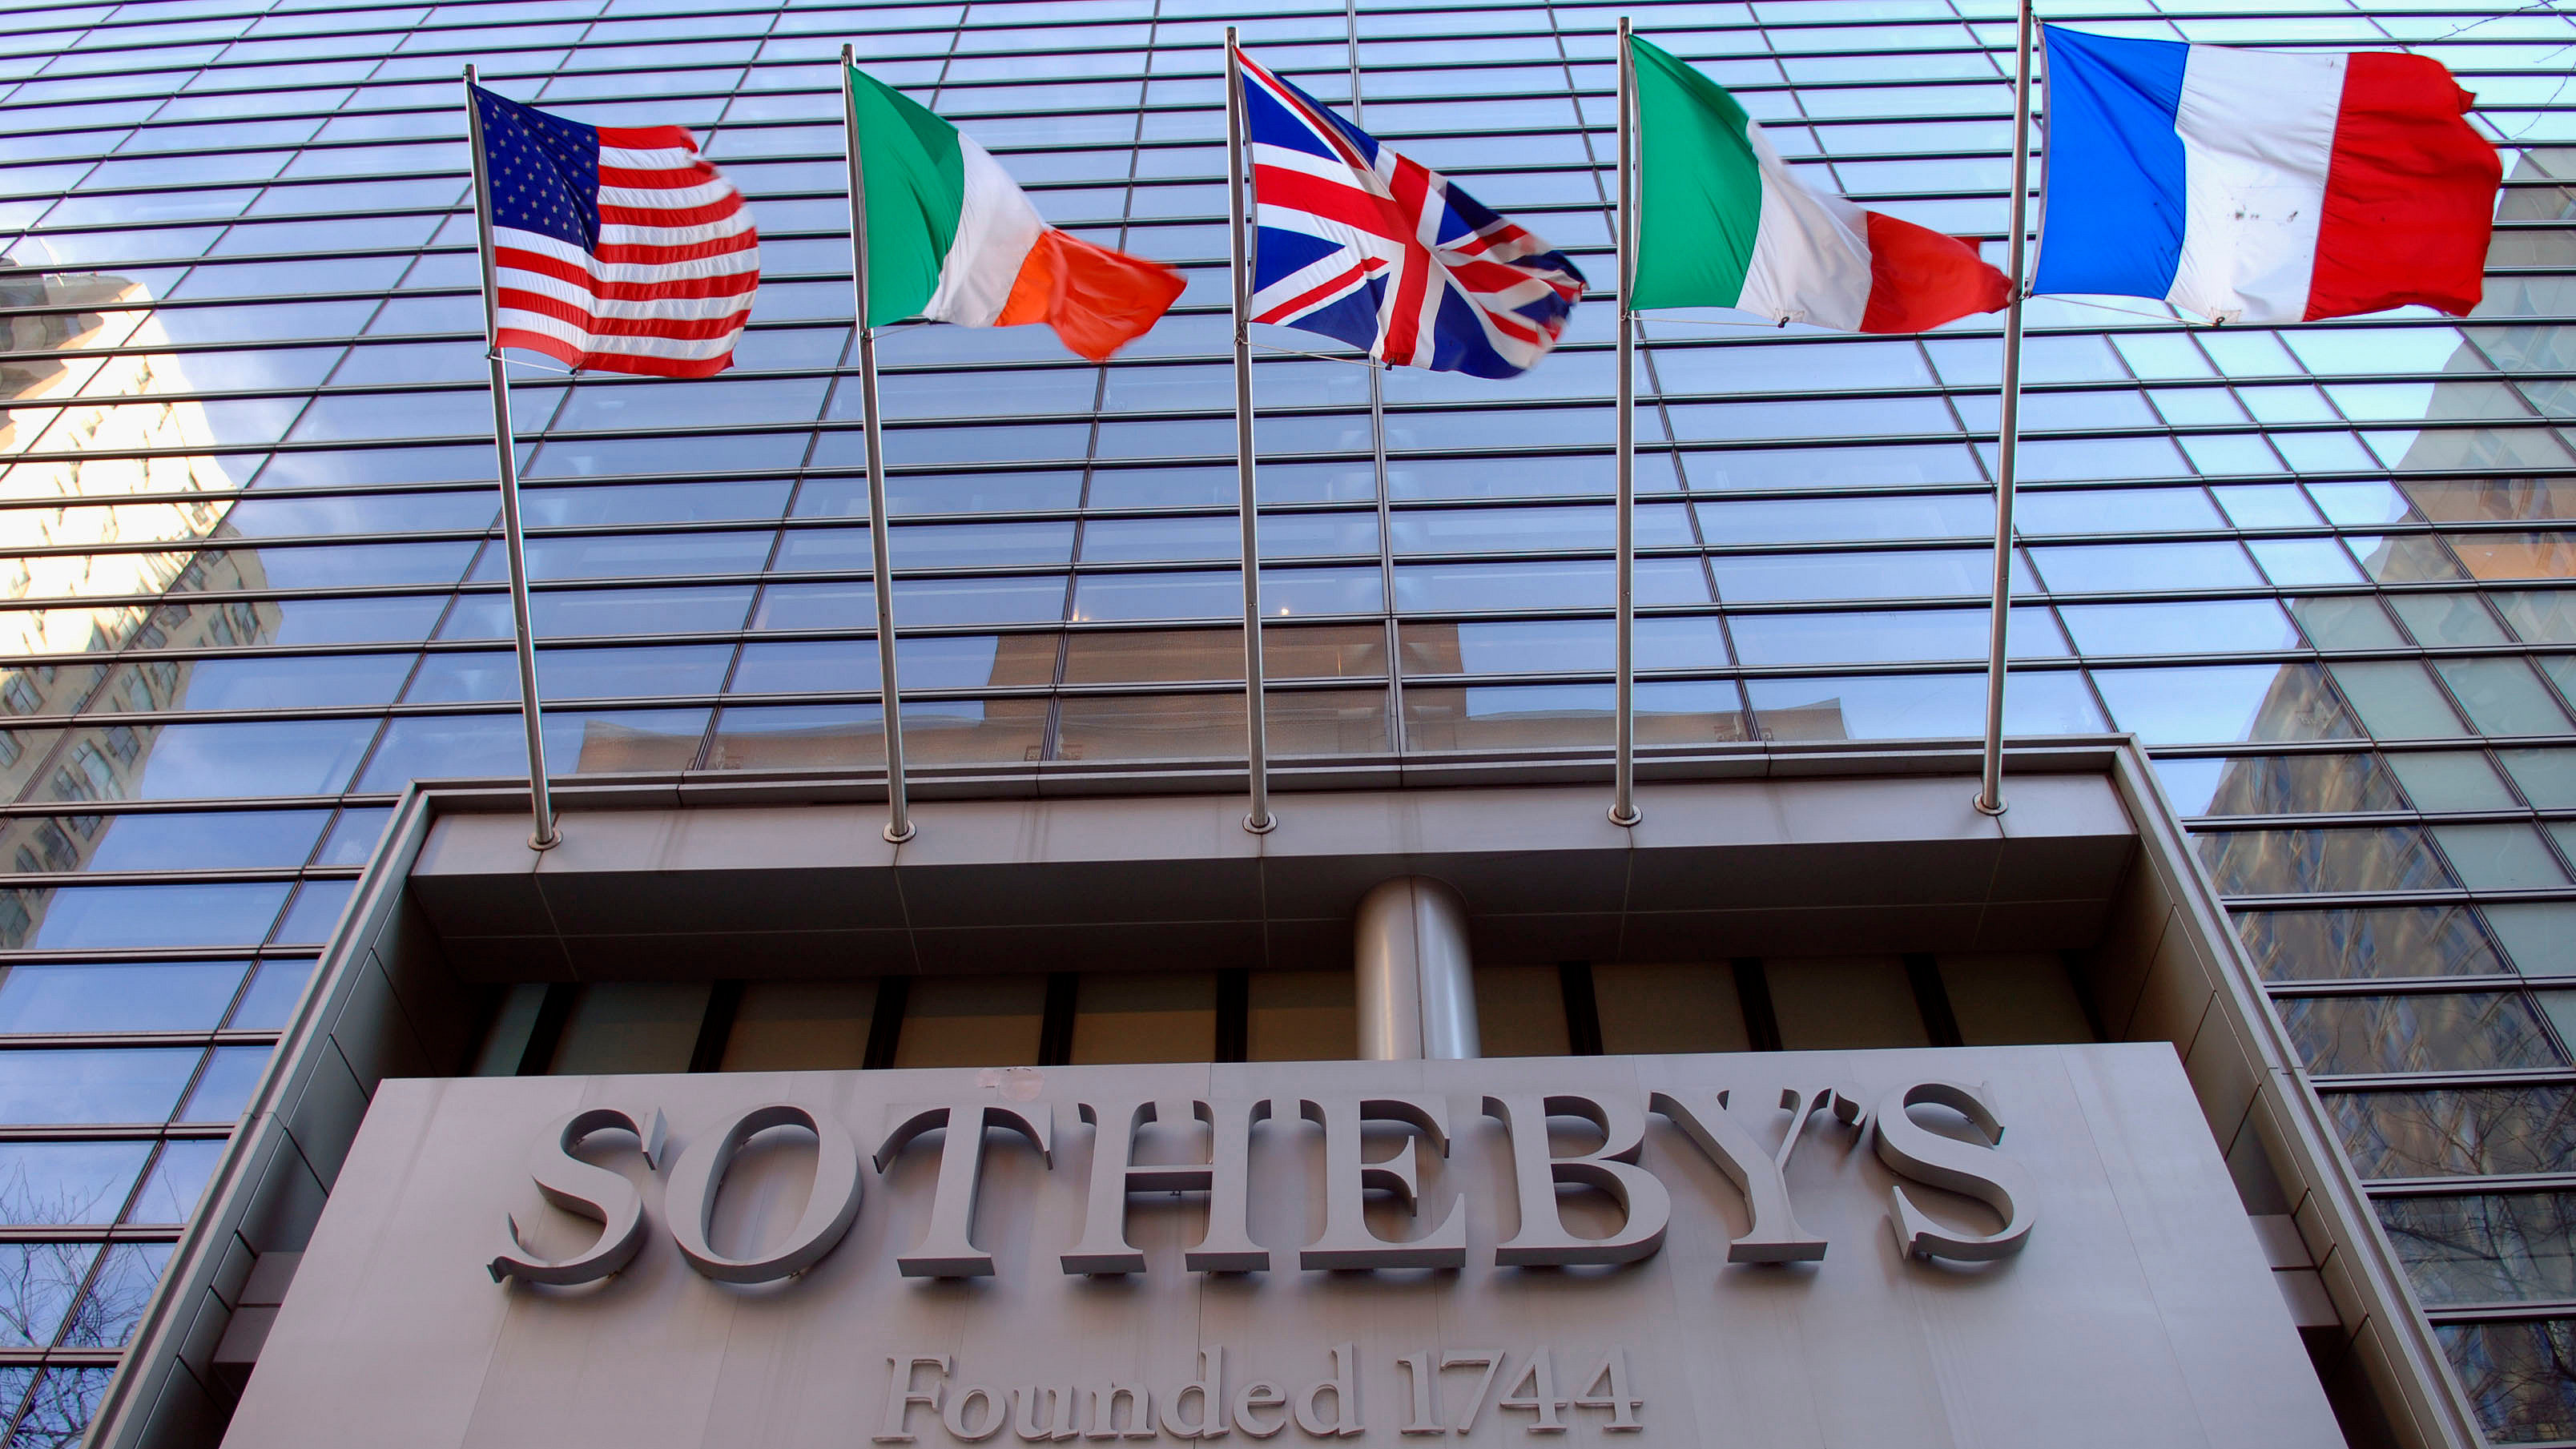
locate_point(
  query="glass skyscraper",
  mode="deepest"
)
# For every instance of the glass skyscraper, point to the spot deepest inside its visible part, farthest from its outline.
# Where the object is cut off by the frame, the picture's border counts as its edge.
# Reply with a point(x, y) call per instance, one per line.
point(255, 583)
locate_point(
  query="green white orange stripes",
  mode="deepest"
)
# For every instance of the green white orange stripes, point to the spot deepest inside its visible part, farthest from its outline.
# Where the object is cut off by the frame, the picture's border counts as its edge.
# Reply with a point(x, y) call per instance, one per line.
point(951, 237)
point(1722, 221)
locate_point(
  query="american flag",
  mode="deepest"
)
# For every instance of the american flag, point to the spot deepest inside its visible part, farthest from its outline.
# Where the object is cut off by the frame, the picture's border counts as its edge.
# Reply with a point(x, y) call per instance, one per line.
point(616, 247)
point(1359, 243)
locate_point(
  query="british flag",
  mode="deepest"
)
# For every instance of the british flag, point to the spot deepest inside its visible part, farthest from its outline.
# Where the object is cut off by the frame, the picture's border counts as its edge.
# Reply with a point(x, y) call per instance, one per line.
point(1358, 243)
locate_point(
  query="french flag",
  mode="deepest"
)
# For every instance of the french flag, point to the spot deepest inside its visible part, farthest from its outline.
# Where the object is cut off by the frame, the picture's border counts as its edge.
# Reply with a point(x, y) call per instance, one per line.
point(2260, 185)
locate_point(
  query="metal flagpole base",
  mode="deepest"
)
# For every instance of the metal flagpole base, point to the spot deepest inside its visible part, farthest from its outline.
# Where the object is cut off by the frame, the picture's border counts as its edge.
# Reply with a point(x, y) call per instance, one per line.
point(1989, 807)
point(909, 831)
point(1632, 817)
point(1261, 826)
point(547, 841)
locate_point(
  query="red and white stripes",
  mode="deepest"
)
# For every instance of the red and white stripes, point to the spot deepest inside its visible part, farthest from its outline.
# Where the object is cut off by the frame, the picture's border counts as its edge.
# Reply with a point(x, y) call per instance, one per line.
point(669, 285)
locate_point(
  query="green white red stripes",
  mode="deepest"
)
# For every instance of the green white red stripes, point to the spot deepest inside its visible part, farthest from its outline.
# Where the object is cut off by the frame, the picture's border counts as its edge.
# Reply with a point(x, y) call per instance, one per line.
point(951, 237)
point(1722, 221)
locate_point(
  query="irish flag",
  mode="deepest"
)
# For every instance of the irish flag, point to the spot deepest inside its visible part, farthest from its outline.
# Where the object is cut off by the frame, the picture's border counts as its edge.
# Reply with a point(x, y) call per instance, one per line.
point(951, 237)
point(1723, 222)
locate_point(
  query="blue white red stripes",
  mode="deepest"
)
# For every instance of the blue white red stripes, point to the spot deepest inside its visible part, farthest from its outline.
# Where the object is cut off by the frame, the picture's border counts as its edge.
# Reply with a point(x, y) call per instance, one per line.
point(616, 248)
point(2261, 185)
point(1361, 244)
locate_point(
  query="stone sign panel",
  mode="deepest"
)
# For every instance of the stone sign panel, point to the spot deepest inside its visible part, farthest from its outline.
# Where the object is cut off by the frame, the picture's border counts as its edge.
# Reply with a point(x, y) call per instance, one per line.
point(2026, 1246)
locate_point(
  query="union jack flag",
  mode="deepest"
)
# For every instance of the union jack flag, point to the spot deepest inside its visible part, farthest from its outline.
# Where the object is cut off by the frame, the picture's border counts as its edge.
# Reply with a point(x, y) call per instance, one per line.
point(1358, 243)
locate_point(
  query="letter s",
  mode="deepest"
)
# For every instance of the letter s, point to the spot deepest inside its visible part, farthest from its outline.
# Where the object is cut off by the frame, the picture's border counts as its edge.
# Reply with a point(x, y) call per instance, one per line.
point(584, 1190)
point(1973, 1169)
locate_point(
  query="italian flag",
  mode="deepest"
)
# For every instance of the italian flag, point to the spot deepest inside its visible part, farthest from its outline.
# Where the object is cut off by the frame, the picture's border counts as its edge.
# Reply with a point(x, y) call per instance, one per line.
point(1723, 222)
point(951, 237)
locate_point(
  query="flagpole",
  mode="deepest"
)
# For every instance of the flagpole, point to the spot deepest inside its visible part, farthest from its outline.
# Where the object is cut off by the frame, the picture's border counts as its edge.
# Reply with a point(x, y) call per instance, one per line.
point(1990, 797)
point(505, 445)
point(1256, 730)
point(1623, 801)
point(898, 827)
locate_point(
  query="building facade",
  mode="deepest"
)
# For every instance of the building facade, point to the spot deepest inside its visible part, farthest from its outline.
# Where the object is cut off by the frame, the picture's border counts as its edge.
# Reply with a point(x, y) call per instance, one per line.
point(255, 589)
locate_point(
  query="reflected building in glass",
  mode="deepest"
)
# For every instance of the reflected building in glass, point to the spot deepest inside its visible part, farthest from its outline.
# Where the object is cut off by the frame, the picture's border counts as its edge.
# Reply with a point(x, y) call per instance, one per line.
point(254, 585)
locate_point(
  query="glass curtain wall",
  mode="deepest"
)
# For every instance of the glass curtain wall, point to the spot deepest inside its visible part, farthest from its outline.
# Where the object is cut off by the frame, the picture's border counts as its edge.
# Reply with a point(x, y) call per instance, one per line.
point(253, 581)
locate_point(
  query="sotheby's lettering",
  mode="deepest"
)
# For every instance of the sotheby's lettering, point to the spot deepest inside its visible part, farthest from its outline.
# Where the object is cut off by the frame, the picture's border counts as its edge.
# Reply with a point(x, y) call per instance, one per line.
point(1751, 1140)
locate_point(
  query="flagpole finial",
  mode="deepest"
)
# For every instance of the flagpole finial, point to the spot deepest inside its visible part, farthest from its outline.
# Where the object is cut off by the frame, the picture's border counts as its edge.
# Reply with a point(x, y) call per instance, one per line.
point(846, 61)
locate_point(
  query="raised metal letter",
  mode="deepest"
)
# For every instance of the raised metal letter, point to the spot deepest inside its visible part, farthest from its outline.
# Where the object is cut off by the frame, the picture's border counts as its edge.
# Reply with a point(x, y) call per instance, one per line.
point(584, 1190)
point(1347, 1241)
point(1773, 1235)
point(829, 1208)
point(948, 1249)
point(1542, 1240)
point(1973, 1169)
point(1114, 1174)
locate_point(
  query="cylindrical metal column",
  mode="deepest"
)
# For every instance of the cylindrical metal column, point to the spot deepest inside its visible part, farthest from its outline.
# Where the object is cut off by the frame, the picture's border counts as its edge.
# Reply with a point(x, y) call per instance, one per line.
point(1417, 982)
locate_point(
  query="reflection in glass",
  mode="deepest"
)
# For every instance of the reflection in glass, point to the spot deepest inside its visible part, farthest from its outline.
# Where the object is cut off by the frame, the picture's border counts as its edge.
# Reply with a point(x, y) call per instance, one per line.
point(2453, 1032)
point(2518, 1374)
point(125, 996)
point(49, 1183)
point(93, 1084)
point(2333, 945)
point(2225, 703)
point(2485, 1249)
point(1921, 706)
point(2280, 785)
point(2283, 862)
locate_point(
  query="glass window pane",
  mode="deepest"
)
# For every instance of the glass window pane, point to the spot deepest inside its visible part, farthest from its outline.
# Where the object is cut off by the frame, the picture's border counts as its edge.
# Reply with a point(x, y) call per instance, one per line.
point(2377, 941)
point(2462, 1032)
point(67, 1182)
point(2126, 567)
point(178, 1181)
point(2396, 699)
point(2346, 623)
point(2279, 785)
point(2502, 696)
point(2299, 563)
point(223, 1092)
point(2485, 1249)
point(43, 1277)
point(2517, 1375)
point(2540, 936)
point(107, 1312)
point(451, 746)
point(2466, 1131)
point(1923, 706)
point(2547, 776)
point(2439, 619)
point(2450, 780)
point(2281, 862)
point(109, 1084)
point(2225, 703)
point(1918, 575)
point(140, 916)
point(192, 840)
point(274, 991)
point(1924, 635)
point(2216, 626)
point(2499, 857)
point(125, 996)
